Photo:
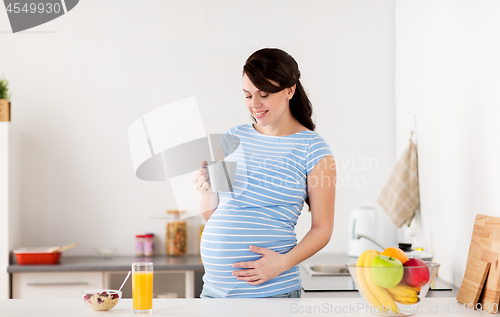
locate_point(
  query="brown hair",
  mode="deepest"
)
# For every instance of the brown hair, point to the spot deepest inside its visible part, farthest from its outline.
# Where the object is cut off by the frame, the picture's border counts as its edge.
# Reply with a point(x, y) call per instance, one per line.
point(277, 65)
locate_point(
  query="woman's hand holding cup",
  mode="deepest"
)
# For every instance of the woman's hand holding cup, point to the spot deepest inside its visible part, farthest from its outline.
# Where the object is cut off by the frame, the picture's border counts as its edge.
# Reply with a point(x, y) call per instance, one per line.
point(202, 180)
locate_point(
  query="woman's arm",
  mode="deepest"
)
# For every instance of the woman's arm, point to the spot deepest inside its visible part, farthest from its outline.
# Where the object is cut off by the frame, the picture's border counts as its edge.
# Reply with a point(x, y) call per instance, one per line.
point(209, 203)
point(321, 190)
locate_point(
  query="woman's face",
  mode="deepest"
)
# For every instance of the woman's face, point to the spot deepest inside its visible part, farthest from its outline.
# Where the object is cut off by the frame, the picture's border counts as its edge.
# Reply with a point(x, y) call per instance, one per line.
point(267, 108)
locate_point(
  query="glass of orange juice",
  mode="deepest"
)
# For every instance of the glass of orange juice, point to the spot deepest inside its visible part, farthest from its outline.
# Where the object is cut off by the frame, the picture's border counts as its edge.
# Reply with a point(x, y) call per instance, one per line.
point(142, 287)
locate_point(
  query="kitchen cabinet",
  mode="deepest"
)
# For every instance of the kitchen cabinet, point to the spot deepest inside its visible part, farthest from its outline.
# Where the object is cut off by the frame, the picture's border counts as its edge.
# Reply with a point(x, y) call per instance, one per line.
point(73, 275)
point(71, 284)
point(54, 285)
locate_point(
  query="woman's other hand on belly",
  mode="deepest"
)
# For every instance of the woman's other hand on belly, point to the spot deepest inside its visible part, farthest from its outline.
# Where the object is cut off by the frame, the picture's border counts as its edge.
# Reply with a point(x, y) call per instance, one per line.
point(269, 266)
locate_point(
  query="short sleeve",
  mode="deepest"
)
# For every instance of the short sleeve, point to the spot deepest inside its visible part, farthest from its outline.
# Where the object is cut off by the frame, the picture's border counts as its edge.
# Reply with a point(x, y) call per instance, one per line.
point(229, 142)
point(318, 148)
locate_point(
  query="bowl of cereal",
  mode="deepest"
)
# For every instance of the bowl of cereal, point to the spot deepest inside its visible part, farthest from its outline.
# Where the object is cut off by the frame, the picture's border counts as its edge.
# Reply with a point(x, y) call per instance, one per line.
point(102, 299)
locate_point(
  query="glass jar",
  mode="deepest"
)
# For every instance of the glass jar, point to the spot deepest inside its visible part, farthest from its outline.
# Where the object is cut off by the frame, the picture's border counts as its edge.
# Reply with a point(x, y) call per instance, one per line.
point(139, 245)
point(149, 244)
point(176, 239)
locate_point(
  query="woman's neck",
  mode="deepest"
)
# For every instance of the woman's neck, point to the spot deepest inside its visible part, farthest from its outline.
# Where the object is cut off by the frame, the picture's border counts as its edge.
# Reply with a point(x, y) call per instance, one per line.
point(289, 127)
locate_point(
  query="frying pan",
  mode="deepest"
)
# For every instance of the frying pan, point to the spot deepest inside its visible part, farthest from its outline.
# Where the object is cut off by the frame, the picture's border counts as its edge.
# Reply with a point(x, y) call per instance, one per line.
point(27, 256)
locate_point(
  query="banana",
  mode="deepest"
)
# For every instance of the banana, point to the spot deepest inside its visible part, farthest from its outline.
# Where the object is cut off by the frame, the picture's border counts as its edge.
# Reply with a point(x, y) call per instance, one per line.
point(404, 294)
point(380, 293)
point(361, 279)
point(403, 290)
point(406, 300)
point(403, 282)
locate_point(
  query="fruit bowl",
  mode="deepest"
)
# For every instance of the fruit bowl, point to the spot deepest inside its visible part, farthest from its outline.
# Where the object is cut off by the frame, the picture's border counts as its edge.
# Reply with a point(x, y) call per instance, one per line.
point(102, 299)
point(393, 290)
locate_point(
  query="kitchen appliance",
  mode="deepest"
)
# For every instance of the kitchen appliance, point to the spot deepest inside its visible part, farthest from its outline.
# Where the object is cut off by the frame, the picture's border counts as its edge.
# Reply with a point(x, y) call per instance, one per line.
point(366, 230)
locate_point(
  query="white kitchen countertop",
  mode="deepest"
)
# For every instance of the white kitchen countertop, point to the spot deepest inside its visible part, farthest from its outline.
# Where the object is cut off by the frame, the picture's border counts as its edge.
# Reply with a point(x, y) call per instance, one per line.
point(226, 307)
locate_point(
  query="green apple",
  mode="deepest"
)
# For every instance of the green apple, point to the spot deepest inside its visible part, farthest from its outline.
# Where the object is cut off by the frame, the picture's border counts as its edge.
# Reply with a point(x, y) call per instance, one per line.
point(386, 271)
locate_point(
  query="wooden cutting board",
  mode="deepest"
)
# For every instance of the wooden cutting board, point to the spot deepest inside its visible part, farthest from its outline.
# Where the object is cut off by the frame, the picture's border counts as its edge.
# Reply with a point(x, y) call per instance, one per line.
point(473, 282)
point(485, 246)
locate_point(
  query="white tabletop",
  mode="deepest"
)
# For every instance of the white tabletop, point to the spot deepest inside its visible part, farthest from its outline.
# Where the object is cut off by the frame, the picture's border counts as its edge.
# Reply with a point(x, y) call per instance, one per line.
point(226, 307)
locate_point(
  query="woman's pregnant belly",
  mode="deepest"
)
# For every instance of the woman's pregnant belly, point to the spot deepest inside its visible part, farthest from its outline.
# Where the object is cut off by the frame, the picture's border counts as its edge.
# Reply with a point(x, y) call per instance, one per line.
point(226, 240)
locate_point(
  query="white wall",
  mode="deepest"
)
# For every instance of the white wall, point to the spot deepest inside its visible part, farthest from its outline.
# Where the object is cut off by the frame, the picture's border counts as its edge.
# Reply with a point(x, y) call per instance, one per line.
point(4, 209)
point(79, 81)
point(448, 74)
point(9, 201)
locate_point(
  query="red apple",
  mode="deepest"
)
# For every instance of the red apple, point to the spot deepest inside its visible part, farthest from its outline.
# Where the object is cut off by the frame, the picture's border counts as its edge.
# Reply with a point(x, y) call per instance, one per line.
point(416, 272)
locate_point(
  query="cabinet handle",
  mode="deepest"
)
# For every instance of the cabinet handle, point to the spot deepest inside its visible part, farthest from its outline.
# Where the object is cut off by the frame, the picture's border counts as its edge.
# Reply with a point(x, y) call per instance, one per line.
point(58, 284)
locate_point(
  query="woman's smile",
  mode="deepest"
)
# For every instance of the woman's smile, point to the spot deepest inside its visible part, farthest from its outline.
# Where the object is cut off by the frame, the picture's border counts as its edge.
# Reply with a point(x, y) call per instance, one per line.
point(259, 114)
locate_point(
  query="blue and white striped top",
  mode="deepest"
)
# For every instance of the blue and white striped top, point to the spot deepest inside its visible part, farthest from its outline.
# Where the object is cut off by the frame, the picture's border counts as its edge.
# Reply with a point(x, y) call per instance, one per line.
point(269, 193)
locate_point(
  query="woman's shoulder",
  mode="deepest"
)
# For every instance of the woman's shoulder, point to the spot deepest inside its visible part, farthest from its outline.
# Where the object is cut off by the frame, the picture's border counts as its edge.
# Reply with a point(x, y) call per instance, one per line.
point(242, 128)
point(317, 142)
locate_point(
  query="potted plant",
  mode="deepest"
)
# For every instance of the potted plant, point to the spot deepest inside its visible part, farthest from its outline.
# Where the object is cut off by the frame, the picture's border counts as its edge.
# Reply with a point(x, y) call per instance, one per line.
point(4, 100)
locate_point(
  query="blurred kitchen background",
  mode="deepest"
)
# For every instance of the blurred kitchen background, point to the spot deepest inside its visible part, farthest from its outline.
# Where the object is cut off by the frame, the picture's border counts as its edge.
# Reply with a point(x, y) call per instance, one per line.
point(374, 71)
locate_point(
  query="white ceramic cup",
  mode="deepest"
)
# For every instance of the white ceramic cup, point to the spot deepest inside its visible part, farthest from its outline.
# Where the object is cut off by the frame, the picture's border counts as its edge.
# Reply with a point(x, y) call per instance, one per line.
point(222, 174)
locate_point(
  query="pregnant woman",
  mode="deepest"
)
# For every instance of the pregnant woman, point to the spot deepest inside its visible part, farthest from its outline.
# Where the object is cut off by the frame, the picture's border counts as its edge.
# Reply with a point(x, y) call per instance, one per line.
point(249, 247)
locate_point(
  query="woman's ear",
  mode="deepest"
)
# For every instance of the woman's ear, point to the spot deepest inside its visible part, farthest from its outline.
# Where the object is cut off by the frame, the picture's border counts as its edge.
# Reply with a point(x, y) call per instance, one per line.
point(291, 92)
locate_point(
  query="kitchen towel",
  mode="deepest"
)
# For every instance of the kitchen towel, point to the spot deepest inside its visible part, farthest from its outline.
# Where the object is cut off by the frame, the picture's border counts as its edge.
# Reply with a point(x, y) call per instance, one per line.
point(400, 197)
